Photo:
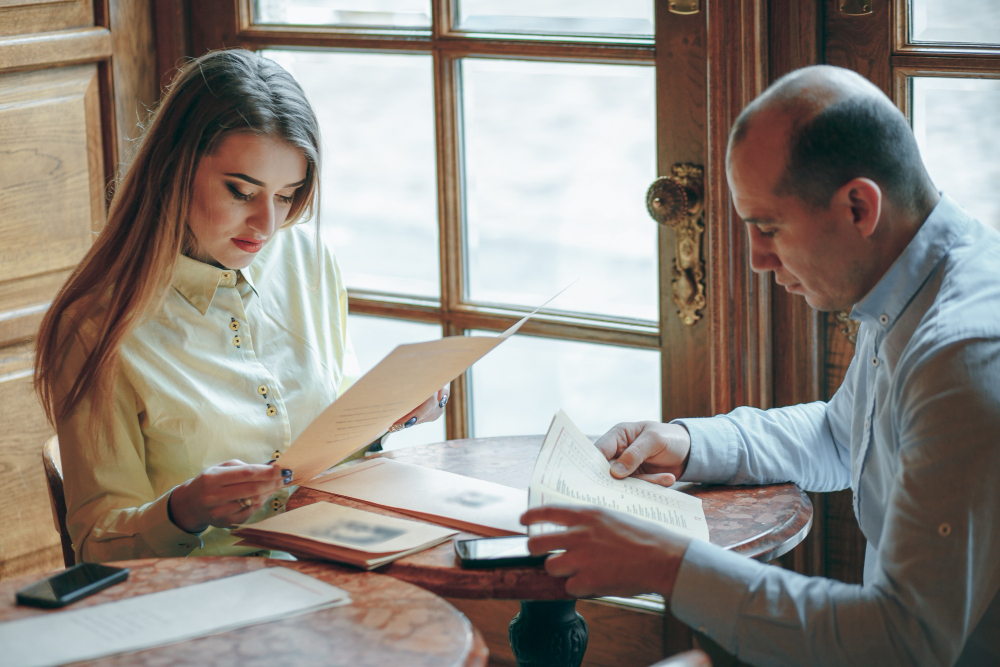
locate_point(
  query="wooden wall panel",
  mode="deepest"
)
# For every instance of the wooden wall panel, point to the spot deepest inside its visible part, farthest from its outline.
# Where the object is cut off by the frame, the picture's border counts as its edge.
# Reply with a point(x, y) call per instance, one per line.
point(47, 193)
point(29, 541)
point(133, 63)
point(20, 17)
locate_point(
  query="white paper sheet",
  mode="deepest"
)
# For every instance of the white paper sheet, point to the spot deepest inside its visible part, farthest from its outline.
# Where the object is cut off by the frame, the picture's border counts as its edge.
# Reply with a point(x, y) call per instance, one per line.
point(435, 495)
point(398, 384)
point(167, 617)
point(570, 470)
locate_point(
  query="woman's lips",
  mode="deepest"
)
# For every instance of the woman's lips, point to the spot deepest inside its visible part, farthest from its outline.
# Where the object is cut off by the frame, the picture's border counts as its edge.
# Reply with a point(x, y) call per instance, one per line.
point(249, 245)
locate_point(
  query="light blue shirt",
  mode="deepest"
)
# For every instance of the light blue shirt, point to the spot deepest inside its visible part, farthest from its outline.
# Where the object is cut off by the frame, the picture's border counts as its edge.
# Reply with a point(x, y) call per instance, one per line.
point(915, 432)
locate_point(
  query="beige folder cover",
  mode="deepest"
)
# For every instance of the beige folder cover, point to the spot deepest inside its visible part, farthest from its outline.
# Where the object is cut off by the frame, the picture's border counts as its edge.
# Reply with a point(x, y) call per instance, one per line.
point(434, 495)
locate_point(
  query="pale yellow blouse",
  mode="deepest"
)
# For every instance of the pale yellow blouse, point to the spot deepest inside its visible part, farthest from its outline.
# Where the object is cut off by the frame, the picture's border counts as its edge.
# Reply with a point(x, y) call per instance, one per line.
point(234, 365)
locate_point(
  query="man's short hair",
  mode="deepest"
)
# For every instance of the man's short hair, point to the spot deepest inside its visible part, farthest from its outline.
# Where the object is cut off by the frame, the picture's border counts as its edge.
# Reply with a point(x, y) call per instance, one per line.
point(855, 137)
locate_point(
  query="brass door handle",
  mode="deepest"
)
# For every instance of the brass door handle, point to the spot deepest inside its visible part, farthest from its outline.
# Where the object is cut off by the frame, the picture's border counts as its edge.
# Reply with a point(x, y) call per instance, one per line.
point(677, 201)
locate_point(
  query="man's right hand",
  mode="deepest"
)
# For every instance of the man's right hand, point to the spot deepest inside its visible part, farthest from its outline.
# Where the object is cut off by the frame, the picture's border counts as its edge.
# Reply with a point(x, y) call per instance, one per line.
point(652, 451)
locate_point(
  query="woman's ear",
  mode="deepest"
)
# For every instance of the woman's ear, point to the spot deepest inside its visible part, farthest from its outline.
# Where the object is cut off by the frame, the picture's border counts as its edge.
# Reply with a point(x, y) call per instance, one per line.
point(863, 197)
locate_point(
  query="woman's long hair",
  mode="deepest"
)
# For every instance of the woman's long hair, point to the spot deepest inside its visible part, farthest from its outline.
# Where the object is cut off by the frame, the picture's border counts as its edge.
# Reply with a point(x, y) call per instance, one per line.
point(128, 270)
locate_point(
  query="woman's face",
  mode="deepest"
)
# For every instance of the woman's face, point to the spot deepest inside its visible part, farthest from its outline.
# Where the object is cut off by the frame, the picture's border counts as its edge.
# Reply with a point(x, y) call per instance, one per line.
point(241, 196)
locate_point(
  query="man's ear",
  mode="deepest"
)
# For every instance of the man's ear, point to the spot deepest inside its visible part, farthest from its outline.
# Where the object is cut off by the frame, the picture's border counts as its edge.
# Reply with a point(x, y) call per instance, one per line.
point(863, 197)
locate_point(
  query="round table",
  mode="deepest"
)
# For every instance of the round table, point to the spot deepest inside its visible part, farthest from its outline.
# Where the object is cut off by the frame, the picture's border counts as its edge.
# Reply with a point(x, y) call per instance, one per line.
point(389, 621)
point(761, 522)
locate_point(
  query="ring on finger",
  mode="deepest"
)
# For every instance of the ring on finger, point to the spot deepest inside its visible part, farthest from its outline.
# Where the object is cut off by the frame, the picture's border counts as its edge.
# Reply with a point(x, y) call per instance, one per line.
point(396, 427)
point(245, 503)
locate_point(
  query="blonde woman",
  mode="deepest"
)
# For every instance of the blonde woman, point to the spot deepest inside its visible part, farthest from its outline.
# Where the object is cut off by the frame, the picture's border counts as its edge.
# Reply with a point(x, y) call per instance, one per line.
point(203, 331)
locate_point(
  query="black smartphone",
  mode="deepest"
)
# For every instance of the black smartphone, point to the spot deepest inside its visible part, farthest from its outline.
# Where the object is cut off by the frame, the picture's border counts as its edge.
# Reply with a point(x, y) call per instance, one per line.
point(496, 552)
point(70, 585)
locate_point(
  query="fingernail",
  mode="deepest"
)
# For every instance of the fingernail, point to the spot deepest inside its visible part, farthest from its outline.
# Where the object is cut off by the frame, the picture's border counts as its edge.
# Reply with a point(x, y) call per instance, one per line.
point(285, 472)
point(288, 479)
point(619, 468)
point(443, 402)
point(411, 422)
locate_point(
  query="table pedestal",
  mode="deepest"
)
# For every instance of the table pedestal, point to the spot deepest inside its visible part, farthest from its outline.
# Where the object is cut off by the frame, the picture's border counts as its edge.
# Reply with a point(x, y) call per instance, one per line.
point(548, 633)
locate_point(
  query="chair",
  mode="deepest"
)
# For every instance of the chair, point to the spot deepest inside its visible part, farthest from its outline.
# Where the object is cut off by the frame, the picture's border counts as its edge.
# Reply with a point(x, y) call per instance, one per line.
point(57, 499)
point(695, 658)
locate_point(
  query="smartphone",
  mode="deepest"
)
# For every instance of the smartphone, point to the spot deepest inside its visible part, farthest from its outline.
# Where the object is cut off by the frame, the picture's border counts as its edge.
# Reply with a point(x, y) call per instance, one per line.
point(496, 552)
point(70, 585)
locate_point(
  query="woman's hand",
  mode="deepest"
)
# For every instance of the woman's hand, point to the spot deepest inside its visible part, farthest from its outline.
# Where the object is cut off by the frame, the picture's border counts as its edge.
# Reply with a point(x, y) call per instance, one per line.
point(224, 495)
point(427, 411)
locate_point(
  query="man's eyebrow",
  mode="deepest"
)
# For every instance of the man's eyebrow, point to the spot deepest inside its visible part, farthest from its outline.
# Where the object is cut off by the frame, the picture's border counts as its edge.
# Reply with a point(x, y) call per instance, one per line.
point(249, 179)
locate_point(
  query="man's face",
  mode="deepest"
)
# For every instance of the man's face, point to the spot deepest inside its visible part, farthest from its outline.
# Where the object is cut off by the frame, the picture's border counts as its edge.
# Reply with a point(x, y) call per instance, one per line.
point(812, 252)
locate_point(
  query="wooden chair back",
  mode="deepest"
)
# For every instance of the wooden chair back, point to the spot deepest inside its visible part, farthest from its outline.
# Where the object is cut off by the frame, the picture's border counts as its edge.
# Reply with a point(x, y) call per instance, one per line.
point(57, 499)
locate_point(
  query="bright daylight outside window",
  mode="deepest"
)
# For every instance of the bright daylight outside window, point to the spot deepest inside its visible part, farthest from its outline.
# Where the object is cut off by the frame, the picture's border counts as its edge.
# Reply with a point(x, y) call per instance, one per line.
point(552, 156)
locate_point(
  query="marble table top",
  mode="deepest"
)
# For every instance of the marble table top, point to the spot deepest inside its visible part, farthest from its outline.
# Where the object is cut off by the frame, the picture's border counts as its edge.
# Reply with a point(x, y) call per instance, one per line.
point(760, 522)
point(389, 622)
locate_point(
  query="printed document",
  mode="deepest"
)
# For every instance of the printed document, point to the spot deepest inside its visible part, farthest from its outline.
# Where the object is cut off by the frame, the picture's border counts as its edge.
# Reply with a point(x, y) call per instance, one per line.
point(167, 617)
point(570, 470)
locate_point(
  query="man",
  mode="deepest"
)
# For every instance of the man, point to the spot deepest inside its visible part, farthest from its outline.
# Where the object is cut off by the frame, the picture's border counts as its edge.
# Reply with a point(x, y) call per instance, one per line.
point(826, 175)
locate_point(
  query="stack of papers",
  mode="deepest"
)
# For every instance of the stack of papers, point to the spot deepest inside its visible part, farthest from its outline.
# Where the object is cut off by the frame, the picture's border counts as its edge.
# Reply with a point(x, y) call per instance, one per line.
point(166, 617)
point(343, 534)
point(441, 497)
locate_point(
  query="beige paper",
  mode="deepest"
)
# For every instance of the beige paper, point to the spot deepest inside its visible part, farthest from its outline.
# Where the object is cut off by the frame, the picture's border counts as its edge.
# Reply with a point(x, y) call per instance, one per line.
point(442, 497)
point(350, 528)
point(570, 470)
point(166, 617)
point(398, 384)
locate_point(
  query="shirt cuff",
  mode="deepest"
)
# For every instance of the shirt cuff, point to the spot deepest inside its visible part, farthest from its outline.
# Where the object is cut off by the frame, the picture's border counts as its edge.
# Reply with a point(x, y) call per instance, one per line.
point(710, 589)
point(714, 453)
point(163, 537)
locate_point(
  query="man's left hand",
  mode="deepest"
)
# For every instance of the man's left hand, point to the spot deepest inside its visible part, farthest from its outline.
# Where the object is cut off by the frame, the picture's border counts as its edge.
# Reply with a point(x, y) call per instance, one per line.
point(607, 553)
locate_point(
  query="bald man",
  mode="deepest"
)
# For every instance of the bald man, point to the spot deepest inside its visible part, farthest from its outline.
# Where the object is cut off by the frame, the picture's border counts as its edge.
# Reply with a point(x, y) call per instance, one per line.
point(826, 175)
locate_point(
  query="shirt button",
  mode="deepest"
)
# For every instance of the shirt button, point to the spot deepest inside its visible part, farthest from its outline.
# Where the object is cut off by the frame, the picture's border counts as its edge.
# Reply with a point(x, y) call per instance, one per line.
point(271, 410)
point(262, 389)
point(874, 361)
point(883, 319)
point(226, 275)
point(277, 455)
point(276, 504)
point(944, 530)
point(236, 341)
point(234, 325)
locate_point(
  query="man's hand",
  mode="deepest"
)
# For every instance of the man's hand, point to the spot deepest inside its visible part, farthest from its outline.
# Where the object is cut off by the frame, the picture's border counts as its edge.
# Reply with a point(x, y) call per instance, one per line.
point(224, 495)
point(652, 451)
point(607, 553)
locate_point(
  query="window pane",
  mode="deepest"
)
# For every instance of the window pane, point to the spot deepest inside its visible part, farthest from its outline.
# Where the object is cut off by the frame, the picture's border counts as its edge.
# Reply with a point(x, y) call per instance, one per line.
point(351, 13)
point(957, 125)
point(374, 338)
point(379, 196)
point(962, 21)
point(520, 385)
point(558, 157)
point(565, 17)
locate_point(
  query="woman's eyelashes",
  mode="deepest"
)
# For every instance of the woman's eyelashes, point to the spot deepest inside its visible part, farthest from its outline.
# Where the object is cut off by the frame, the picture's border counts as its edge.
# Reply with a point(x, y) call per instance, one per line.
point(247, 196)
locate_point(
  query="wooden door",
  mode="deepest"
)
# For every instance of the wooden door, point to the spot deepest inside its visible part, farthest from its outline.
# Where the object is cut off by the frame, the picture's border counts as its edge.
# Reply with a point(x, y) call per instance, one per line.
point(59, 138)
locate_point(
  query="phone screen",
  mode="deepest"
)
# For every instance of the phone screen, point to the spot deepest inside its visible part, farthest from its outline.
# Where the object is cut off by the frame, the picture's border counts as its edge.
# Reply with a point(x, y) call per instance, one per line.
point(497, 548)
point(76, 582)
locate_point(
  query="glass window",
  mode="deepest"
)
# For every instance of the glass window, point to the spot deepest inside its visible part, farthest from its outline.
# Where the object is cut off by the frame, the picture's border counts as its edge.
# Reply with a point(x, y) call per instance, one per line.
point(374, 338)
point(352, 13)
point(957, 126)
point(558, 157)
point(955, 21)
point(566, 17)
point(518, 386)
point(378, 207)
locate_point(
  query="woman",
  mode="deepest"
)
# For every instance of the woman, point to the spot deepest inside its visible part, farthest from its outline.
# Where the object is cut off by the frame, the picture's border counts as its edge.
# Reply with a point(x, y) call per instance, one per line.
point(203, 331)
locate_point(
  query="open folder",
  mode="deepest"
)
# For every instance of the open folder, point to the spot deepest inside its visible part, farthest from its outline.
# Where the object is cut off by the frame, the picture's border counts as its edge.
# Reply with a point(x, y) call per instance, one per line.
point(399, 383)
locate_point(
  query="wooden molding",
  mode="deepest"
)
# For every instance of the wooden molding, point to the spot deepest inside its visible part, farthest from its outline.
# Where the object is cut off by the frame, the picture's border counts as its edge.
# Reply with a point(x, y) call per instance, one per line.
point(50, 49)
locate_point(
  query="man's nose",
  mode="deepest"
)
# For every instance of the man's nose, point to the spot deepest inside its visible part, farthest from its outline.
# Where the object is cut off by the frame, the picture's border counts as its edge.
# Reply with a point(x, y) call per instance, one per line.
point(762, 256)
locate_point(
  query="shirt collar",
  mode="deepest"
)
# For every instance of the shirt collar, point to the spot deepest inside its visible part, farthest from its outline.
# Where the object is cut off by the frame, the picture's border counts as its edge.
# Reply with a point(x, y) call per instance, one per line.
point(197, 281)
point(890, 296)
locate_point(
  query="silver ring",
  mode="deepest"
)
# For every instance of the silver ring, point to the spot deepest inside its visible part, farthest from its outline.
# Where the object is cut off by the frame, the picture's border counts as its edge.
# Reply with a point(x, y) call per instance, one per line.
point(245, 503)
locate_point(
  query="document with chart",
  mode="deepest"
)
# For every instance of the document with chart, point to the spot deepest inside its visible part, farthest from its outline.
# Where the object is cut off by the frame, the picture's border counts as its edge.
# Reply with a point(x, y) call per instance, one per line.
point(570, 470)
